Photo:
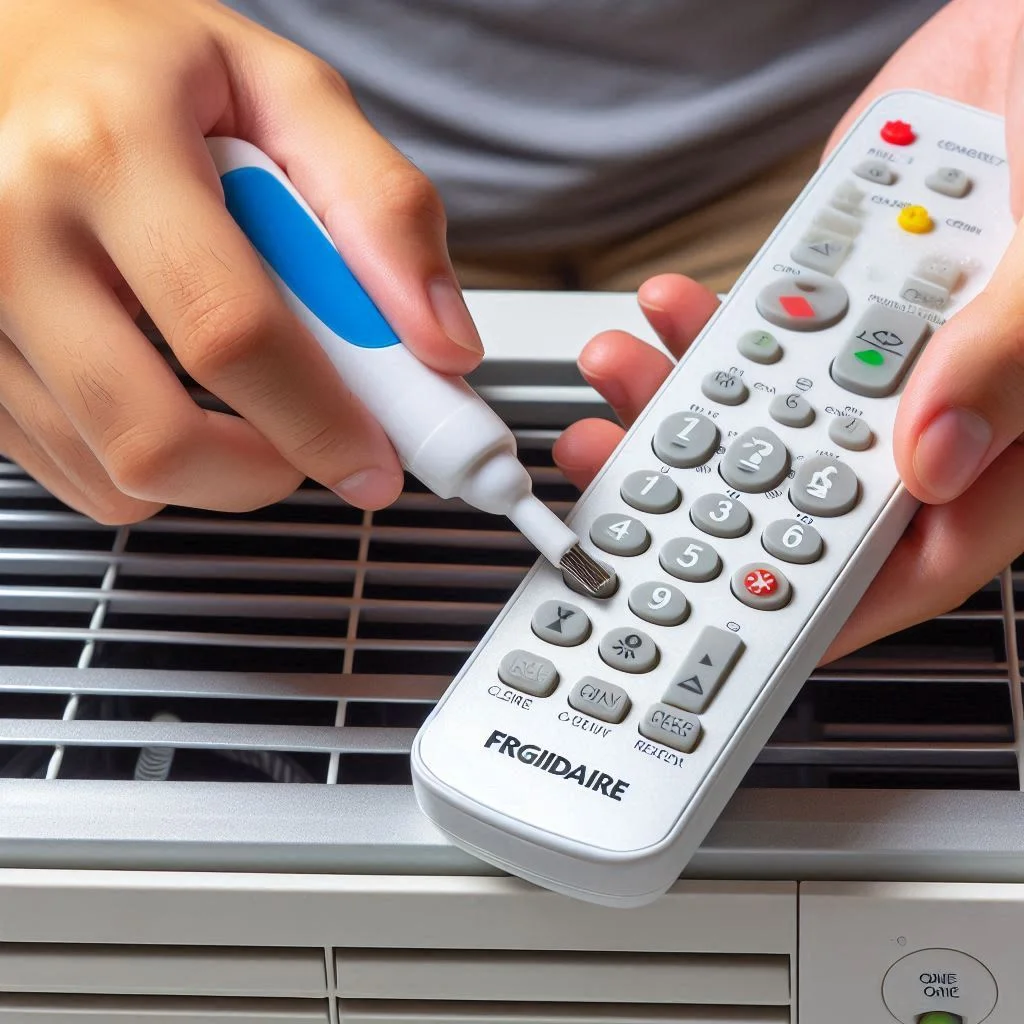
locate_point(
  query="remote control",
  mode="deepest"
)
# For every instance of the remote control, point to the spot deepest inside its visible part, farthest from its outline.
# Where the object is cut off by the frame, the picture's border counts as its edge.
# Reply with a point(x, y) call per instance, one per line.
point(589, 745)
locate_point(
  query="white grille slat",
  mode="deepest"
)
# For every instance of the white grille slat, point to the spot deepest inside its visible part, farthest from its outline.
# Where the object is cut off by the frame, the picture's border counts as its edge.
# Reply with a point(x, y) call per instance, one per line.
point(56, 1009)
point(384, 1012)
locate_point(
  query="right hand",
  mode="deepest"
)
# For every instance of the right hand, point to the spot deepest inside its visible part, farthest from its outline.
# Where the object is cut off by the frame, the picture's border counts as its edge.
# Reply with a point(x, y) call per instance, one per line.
point(109, 203)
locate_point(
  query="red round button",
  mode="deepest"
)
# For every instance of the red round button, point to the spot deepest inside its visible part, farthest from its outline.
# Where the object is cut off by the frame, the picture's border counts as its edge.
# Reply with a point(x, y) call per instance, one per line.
point(898, 133)
point(761, 583)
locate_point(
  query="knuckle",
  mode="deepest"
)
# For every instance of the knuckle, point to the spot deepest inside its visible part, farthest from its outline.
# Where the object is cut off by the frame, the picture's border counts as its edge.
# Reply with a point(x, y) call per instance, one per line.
point(408, 195)
point(144, 462)
point(307, 75)
point(113, 508)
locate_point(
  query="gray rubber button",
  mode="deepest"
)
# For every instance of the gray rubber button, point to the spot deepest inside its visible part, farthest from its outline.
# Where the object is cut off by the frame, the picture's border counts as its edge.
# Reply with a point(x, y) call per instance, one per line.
point(720, 516)
point(810, 302)
point(529, 673)
point(601, 700)
point(792, 541)
point(628, 650)
point(724, 387)
point(650, 491)
point(686, 558)
point(851, 432)
point(759, 347)
point(878, 354)
point(791, 410)
point(762, 586)
point(876, 171)
point(950, 181)
point(924, 293)
point(619, 534)
point(660, 603)
point(685, 439)
point(756, 461)
point(824, 487)
point(825, 255)
point(676, 729)
point(704, 669)
point(561, 623)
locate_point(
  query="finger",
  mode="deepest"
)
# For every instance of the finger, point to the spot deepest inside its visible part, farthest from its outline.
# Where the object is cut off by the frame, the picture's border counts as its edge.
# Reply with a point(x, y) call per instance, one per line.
point(948, 553)
point(58, 451)
point(153, 442)
point(204, 287)
point(677, 308)
point(584, 448)
point(964, 402)
point(624, 370)
point(383, 214)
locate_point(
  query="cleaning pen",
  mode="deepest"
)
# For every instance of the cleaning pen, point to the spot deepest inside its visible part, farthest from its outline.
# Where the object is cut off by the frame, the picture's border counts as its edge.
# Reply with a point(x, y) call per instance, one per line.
point(444, 433)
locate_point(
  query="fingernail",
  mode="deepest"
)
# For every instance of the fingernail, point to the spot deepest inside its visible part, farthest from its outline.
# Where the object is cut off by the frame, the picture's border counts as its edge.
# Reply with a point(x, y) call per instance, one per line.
point(951, 452)
point(649, 306)
point(452, 314)
point(370, 488)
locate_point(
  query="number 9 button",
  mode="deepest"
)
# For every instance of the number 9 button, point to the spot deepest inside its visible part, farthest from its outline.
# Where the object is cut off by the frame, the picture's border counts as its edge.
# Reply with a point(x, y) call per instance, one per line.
point(660, 603)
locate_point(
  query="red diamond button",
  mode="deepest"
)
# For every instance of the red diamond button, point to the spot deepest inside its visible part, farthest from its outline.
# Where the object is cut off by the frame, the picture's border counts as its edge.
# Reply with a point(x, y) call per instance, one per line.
point(796, 305)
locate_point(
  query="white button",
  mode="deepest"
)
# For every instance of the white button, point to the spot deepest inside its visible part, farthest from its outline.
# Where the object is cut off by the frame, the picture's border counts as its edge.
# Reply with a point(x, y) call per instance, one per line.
point(847, 197)
point(835, 220)
point(940, 270)
point(924, 293)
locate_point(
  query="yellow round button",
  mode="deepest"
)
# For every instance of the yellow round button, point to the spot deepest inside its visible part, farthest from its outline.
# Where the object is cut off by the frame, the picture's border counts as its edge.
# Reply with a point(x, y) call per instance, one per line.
point(915, 219)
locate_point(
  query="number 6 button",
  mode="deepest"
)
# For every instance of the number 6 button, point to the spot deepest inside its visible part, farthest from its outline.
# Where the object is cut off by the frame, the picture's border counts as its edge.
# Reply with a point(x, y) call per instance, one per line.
point(792, 541)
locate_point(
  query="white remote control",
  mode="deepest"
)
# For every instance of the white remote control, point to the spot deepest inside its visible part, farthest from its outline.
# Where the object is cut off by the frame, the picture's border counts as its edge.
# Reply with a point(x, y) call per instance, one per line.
point(589, 745)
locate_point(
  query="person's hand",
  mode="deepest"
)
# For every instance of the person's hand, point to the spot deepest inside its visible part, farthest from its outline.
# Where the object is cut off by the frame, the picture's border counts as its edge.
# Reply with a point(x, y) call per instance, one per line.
point(109, 201)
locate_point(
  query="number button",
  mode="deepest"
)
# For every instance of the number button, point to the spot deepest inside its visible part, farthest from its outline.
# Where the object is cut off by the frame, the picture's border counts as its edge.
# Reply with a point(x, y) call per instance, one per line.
point(792, 541)
point(650, 491)
point(761, 586)
point(628, 650)
point(691, 560)
point(720, 516)
point(659, 603)
point(791, 410)
point(850, 432)
point(685, 439)
point(824, 487)
point(726, 388)
point(561, 623)
point(756, 461)
point(620, 535)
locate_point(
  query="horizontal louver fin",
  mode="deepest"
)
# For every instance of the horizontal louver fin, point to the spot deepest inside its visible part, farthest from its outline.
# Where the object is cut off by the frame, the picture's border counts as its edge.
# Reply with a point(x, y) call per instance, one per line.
point(113, 1010)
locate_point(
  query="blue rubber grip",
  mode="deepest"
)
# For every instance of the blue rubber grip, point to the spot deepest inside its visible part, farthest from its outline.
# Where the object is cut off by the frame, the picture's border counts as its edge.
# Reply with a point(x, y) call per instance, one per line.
point(303, 258)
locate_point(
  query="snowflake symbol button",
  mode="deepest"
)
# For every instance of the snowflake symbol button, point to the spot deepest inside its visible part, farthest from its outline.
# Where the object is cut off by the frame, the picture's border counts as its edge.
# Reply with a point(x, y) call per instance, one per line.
point(761, 583)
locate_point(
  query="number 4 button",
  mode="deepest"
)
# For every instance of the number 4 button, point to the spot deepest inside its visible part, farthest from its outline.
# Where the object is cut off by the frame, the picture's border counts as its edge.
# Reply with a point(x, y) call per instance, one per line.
point(620, 534)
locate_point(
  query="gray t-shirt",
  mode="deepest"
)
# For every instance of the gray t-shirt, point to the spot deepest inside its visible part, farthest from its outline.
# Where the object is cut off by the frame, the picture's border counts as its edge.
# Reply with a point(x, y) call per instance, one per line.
point(548, 123)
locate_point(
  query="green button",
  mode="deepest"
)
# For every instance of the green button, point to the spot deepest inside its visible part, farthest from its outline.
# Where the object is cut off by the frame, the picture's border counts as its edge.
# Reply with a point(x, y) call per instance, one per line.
point(940, 1017)
point(871, 356)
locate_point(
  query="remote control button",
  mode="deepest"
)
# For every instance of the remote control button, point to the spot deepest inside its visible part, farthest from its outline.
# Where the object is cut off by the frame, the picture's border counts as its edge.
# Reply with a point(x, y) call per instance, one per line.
point(720, 516)
point(836, 222)
point(650, 491)
point(824, 487)
point(847, 196)
point(762, 586)
point(528, 672)
point(694, 561)
point(704, 669)
point(628, 650)
point(760, 347)
point(876, 171)
point(915, 219)
point(601, 700)
point(792, 541)
point(676, 729)
point(924, 293)
point(897, 133)
point(561, 623)
point(659, 603)
point(685, 439)
point(609, 589)
point(620, 534)
point(791, 410)
point(941, 270)
point(850, 432)
point(724, 387)
point(950, 181)
point(876, 358)
point(825, 255)
point(756, 461)
point(803, 303)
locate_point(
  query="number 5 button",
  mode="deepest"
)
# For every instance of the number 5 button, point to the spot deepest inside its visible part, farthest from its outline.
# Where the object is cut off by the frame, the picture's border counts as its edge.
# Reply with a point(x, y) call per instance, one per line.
point(690, 560)
point(620, 535)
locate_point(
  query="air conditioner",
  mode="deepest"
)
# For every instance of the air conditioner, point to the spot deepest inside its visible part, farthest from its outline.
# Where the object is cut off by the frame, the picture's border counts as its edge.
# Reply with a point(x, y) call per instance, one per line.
point(274, 667)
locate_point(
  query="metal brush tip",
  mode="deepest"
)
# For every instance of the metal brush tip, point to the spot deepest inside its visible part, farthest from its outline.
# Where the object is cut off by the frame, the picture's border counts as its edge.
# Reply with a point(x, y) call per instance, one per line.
point(587, 576)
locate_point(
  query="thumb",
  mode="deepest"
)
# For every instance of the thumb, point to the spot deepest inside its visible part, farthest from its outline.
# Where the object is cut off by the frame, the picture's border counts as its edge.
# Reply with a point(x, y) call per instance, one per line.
point(385, 217)
point(964, 402)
